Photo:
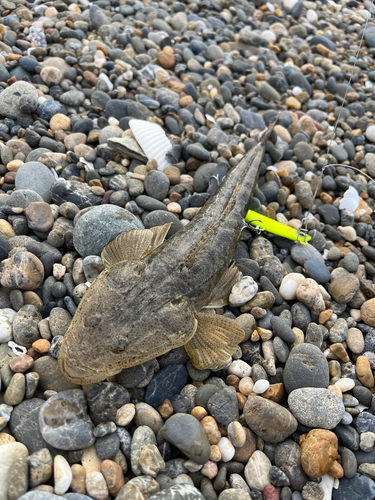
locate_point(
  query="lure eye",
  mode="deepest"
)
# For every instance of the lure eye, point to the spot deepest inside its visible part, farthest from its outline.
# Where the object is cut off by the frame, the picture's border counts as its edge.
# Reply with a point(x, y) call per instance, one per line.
point(93, 320)
point(119, 345)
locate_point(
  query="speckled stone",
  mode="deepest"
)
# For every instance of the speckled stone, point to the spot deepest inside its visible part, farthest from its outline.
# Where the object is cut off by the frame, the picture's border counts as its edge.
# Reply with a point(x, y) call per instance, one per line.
point(64, 421)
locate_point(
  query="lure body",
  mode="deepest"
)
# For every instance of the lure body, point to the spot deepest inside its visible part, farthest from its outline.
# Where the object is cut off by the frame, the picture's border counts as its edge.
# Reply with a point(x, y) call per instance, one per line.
point(272, 226)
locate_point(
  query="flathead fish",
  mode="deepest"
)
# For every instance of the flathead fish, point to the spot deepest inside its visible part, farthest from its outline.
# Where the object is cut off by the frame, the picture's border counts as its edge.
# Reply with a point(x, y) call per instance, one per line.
point(150, 296)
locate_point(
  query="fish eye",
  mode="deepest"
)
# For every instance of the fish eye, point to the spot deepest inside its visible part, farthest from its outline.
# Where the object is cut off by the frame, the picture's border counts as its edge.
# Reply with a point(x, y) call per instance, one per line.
point(93, 320)
point(119, 345)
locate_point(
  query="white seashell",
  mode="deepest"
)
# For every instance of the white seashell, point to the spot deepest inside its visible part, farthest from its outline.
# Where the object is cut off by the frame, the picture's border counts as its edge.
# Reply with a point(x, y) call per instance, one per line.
point(261, 386)
point(152, 139)
point(243, 291)
point(350, 201)
point(327, 484)
point(240, 368)
point(289, 285)
point(62, 475)
point(226, 448)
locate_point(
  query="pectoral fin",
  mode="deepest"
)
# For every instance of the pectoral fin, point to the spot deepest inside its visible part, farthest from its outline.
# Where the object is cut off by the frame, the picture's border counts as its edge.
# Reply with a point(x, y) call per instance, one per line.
point(221, 292)
point(133, 245)
point(214, 341)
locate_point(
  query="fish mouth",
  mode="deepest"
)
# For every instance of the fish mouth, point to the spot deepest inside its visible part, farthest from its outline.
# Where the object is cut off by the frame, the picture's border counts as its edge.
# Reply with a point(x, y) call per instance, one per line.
point(81, 377)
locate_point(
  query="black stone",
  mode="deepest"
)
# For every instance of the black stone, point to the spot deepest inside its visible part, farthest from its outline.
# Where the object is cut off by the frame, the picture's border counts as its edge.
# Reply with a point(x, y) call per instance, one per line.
point(104, 399)
point(166, 383)
point(347, 436)
point(306, 366)
point(107, 446)
point(223, 406)
point(24, 426)
point(356, 488)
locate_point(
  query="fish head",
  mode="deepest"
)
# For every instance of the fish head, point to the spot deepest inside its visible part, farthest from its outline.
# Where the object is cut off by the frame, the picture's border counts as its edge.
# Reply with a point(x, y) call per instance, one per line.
point(122, 322)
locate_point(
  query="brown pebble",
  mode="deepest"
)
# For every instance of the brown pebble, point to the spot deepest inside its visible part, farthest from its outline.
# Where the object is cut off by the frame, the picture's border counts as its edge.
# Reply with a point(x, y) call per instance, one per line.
point(318, 452)
point(31, 298)
point(336, 470)
point(275, 393)
point(41, 346)
point(364, 372)
point(10, 177)
point(78, 484)
point(215, 453)
point(113, 476)
point(199, 412)
point(339, 351)
point(210, 427)
point(39, 216)
point(368, 312)
point(20, 364)
point(166, 409)
point(166, 58)
point(23, 270)
point(343, 289)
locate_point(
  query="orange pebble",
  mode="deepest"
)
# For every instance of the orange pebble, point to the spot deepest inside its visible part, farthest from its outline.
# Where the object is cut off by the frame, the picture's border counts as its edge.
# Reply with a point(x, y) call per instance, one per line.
point(42, 346)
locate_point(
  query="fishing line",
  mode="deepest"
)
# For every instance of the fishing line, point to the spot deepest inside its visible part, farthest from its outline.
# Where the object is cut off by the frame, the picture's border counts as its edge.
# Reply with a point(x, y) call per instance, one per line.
point(320, 176)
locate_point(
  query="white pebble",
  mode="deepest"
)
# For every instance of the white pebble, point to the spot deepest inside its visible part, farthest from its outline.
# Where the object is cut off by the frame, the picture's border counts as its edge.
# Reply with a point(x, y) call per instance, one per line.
point(297, 90)
point(289, 4)
point(105, 78)
point(269, 36)
point(289, 285)
point(261, 386)
point(240, 368)
point(62, 475)
point(96, 486)
point(6, 319)
point(243, 291)
point(226, 448)
point(311, 16)
point(345, 384)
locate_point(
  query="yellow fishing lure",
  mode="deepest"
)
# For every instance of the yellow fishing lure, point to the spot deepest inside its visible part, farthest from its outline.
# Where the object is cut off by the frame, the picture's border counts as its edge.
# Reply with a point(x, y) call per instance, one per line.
point(262, 223)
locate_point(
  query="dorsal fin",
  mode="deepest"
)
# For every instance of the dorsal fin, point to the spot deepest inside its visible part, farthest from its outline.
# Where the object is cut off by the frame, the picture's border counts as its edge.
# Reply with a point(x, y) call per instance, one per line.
point(133, 245)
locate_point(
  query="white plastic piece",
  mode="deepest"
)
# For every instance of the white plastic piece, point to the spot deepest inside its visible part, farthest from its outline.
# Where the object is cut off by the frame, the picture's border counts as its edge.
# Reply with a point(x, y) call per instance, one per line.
point(350, 200)
point(18, 350)
point(327, 484)
point(152, 139)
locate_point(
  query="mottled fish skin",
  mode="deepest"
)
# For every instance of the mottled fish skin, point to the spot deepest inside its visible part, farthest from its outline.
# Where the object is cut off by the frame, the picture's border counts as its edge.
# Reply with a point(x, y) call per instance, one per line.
point(136, 311)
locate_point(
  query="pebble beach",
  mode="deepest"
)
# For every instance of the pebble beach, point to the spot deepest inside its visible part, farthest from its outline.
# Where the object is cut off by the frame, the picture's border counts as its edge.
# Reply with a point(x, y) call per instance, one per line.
point(291, 415)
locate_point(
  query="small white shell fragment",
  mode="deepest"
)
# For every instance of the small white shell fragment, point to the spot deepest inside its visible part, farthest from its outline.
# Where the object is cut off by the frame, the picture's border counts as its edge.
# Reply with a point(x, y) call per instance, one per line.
point(261, 386)
point(62, 475)
point(289, 285)
point(152, 139)
point(345, 384)
point(226, 448)
point(362, 408)
point(327, 484)
point(243, 291)
point(240, 368)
